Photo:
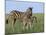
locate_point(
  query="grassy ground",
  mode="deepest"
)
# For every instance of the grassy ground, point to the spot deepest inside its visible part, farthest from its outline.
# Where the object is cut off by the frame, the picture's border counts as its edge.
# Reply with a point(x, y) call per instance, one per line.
point(37, 27)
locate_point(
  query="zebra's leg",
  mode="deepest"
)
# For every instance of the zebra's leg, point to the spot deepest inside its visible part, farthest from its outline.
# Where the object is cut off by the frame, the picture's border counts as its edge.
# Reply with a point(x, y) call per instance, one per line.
point(14, 21)
point(30, 24)
point(24, 25)
point(13, 25)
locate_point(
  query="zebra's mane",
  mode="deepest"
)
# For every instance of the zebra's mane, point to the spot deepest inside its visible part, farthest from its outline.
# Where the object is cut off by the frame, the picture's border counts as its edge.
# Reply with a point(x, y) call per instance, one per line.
point(16, 11)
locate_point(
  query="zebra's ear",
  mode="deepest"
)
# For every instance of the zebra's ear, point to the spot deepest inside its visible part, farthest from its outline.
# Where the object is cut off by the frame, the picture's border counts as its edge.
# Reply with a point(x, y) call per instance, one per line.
point(31, 8)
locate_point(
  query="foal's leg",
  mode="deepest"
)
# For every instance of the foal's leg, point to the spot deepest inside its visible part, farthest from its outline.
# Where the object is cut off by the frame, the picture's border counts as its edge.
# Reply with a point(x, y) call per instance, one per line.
point(30, 24)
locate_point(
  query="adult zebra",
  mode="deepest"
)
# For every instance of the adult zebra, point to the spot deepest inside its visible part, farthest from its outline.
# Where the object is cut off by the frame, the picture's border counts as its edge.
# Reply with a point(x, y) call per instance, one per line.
point(25, 17)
